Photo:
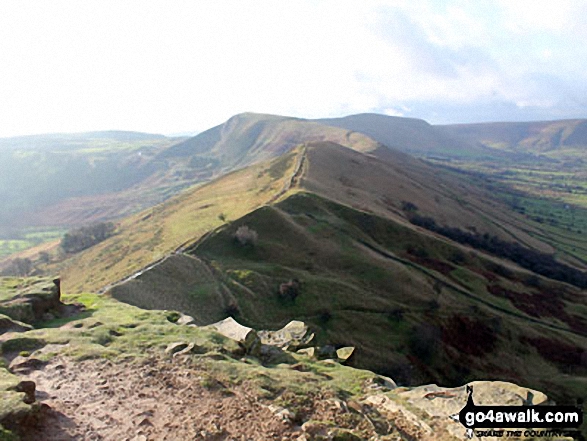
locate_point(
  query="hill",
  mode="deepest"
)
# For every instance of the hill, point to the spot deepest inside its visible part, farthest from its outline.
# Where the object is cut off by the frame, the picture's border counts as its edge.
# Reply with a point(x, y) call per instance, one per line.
point(339, 250)
point(544, 137)
point(413, 136)
point(64, 180)
point(41, 173)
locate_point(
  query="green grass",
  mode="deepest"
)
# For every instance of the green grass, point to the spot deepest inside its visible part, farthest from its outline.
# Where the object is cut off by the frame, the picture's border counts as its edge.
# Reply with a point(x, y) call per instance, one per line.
point(351, 295)
point(29, 238)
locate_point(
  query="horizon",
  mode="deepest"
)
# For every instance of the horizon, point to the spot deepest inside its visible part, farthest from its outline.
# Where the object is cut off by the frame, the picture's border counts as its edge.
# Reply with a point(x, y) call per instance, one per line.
point(72, 67)
point(188, 133)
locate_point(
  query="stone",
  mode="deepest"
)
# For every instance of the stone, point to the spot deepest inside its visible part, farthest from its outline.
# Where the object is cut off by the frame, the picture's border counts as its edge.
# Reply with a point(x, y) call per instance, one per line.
point(345, 353)
point(28, 387)
point(186, 320)
point(285, 415)
point(245, 336)
point(172, 348)
point(185, 350)
point(292, 337)
point(24, 365)
point(9, 325)
point(310, 352)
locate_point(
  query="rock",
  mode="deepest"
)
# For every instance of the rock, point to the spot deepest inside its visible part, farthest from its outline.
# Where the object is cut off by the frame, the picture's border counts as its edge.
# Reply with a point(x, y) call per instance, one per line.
point(434, 403)
point(24, 365)
point(185, 350)
point(245, 336)
point(173, 348)
point(380, 383)
point(285, 415)
point(32, 303)
point(310, 352)
point(9, 325)
point(345, 353)
point(293, 336)
point(28, 387)
point(186, 320)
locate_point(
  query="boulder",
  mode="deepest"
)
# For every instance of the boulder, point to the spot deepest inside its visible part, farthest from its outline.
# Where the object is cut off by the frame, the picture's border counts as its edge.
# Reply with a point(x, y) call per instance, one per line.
point(9, 325)
point(434, 404)
point(245, 336)
point(293, 336)
point(34, 303)
point(344, 354)
point(310, 352)
point(185, 319)
point(28, 387)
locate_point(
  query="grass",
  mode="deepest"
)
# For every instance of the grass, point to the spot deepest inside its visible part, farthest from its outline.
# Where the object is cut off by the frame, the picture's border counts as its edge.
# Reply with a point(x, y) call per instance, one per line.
point(349, 293)
point(29, 238)
point(117, 331)
point(154, 233)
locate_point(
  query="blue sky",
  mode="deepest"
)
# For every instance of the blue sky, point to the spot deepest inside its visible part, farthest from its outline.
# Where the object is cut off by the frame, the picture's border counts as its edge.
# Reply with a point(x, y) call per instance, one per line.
point(167, 67)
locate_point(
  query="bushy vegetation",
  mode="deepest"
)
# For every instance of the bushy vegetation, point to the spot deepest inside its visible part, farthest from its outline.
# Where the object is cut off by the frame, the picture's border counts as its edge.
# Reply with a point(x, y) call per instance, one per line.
point(541, 263)
point(82, 238)
point(246, 236)
point(18, 267)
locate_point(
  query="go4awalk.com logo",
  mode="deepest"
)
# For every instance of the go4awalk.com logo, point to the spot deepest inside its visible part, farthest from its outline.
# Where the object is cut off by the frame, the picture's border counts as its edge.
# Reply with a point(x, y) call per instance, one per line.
point(527, 421)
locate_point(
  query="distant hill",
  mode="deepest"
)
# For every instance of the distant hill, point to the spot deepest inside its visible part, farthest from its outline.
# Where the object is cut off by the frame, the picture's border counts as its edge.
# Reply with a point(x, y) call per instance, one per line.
point(414, 136)
point(533, 137)
point(68, 180)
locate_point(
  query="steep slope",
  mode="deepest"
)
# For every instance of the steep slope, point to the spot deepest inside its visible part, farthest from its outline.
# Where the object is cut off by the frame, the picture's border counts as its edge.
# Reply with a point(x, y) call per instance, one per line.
point(72, 179)
point(150, 235)
point(387, 181)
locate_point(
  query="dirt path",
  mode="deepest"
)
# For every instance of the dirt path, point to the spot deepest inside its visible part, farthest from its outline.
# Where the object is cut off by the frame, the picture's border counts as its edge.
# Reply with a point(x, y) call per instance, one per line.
point(154, 399)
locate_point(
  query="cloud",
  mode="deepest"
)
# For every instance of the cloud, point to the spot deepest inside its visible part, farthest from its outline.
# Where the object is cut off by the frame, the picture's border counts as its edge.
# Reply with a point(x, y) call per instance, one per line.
point(181, 66)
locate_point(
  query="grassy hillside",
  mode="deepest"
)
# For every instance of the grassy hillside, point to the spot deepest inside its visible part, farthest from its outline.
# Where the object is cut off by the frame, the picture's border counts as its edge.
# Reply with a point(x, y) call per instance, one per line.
point(338, 251)
point(419, 309)
point(551, 138)
point(150, 235)
point(60, 181)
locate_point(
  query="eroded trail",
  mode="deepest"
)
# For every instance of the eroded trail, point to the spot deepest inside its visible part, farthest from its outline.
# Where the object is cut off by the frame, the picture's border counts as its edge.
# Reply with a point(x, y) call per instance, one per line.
point(147, 400)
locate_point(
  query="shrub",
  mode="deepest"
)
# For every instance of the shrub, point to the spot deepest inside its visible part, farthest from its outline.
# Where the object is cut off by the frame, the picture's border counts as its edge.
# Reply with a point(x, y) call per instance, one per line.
point(245, 235)
point(19, 267)
point(289, 290)
point(82, 238)
point(409, 207)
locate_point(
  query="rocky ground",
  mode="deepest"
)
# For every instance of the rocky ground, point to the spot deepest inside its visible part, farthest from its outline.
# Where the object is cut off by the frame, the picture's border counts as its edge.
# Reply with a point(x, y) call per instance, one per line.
point(111, 371)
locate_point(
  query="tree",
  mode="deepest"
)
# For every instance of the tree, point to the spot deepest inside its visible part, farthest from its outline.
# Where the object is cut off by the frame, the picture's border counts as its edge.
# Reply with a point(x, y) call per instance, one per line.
point(79, 239)
point(246, 236)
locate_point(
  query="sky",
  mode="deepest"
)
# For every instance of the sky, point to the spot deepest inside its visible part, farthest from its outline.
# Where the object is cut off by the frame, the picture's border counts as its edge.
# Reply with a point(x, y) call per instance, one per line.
point(185, 66)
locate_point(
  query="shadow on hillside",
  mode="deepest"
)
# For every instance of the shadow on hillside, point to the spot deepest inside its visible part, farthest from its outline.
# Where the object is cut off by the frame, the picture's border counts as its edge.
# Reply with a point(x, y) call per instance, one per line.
point(58, 322)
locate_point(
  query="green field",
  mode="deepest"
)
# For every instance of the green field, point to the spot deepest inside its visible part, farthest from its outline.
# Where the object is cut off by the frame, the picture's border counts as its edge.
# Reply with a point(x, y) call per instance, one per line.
point(28, 239)
point(551, 196)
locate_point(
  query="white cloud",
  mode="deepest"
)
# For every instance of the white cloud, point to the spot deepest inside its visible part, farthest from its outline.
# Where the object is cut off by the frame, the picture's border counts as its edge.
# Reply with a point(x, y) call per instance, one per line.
point(182, 65)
